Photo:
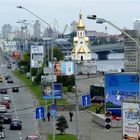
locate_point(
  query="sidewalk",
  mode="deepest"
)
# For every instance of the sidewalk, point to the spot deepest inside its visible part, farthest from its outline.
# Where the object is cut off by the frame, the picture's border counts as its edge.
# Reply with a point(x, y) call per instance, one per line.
point(85, 118)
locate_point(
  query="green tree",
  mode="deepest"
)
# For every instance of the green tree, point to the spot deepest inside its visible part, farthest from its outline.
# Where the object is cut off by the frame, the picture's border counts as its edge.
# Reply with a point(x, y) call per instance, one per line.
point(61, 124)
point(58, 54)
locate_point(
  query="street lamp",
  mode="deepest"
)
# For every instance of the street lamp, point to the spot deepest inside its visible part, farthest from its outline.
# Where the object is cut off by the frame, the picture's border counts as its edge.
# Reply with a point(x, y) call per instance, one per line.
point(101, 21)
point(21, 7)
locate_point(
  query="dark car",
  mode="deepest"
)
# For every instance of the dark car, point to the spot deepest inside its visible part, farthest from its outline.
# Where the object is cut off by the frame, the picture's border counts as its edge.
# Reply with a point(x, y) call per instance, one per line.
point(3, 91)
point(15, 89)
point(32, 137)
point(9, 66)
point(16, 124)
point(7, 77)
point(10, 80)
point(6, 103)
point(7, 118)
point(97, 99)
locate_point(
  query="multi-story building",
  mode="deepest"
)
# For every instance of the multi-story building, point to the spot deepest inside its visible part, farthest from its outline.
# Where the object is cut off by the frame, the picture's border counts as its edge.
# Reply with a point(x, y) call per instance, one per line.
point(6, 30)
point(136, 25)
point(37, 29)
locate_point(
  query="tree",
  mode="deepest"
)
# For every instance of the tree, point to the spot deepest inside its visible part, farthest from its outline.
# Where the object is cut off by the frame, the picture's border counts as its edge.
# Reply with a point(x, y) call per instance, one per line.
point(61, 124)
point(58, 54)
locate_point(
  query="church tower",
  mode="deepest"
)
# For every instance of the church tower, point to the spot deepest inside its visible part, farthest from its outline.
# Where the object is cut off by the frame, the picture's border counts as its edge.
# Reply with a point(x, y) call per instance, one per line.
point(81, 50)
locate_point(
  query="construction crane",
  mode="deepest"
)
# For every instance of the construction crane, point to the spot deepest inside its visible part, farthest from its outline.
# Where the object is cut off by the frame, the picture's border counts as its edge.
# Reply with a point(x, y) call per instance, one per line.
point(65, 29)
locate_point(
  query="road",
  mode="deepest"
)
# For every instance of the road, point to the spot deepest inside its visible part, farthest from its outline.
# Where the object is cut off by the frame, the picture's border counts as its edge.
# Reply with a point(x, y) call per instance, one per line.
point(20, 101)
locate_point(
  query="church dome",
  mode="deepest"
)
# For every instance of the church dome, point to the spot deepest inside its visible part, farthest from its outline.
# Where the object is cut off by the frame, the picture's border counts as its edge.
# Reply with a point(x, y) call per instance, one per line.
point(80, 24)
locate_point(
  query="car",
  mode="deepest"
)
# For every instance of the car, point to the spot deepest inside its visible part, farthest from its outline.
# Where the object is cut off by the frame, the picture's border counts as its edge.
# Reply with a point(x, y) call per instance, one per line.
point(6, 98)
point(1, 78)
point(15, 89)
point(97, 99)
point(6, 103)
point(9, 66)
point(3, 109)
point(7, 77)
point(3, 91)
point(7, 118)
point(10, 80)
point(32, 137)
point(16, 124)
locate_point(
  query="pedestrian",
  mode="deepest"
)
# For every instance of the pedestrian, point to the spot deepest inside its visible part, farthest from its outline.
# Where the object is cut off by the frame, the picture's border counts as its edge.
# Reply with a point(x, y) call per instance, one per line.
point(88, 74)
point(48, 115)
point(71, 115)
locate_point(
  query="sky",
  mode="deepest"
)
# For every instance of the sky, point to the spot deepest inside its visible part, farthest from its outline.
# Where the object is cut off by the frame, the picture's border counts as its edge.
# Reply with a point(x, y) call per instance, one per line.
point(120, 12)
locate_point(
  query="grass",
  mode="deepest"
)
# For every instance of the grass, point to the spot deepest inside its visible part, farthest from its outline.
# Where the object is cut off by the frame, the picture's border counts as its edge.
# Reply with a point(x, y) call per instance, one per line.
point(95, 107)
point(37, 91)
point(63, 137)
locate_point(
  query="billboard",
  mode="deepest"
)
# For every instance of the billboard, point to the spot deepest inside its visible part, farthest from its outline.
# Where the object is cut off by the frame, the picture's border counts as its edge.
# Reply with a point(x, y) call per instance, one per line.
point(16, 55)
point(47, 91)
point(37, 56)
point(118, 87)
point(63, 67)
point(130, 118)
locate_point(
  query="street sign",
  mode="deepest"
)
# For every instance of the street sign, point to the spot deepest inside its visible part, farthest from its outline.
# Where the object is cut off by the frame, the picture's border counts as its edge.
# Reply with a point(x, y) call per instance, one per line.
point(47, 70)
point(40, 112)
point(48, 78)
point(86, 100)
point(53, 110)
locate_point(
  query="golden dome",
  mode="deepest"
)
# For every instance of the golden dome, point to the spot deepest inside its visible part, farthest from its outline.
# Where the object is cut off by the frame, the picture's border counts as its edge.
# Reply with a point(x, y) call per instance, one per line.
point(80, 23)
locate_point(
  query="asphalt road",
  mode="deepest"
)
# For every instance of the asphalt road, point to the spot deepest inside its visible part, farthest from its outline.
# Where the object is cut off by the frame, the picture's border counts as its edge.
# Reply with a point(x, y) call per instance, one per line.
point(21, 107)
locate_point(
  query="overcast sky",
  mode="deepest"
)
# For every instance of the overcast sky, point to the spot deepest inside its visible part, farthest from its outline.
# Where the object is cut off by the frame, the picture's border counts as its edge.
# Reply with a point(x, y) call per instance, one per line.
point(120, 12)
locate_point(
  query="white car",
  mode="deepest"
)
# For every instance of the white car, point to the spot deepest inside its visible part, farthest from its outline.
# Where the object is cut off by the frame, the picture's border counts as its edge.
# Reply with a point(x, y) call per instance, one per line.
point(3, 109)
point(6, 98)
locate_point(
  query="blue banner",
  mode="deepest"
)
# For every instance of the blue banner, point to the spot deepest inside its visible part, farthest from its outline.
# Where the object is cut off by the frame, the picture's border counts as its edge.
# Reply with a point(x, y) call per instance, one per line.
point(47, 91)
point(118, 87)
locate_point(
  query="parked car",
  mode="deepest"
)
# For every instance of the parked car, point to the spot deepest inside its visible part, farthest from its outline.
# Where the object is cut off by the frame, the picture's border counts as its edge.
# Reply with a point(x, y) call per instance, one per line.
point(7, 118)
point(16, 124)
point(6, 103)
point(9, 66)
point(3, 91)
point(6, 98)
point(3, 109)
point(7, 77)
point(10, 80)
point(32, 137)
point(15, 89)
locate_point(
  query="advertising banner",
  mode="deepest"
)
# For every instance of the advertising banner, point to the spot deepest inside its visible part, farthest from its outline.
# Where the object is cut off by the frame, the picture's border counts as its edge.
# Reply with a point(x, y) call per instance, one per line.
point(118, 87)
point(37, 56)
point(47, 91)
point(63, 67)
point(130, 119)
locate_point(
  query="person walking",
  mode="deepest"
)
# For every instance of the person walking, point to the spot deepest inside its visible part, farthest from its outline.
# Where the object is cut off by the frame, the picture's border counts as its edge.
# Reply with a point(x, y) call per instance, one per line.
point(71, 115)
point(48, 115)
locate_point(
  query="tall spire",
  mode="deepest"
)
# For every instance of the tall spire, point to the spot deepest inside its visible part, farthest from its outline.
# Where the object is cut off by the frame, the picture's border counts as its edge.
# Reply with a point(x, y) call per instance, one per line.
point(80, 24)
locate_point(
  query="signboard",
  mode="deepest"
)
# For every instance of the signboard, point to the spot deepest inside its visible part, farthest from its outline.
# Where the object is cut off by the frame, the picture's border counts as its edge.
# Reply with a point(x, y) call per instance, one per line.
point(53, 110)
point(130, 119)
point(47, 91)
point(63, 67)
point(37, 56)
point(40, 112)
point(47, 70)
point(16, 55)
point(119, 87)
point(86, 100)
point(48, 78)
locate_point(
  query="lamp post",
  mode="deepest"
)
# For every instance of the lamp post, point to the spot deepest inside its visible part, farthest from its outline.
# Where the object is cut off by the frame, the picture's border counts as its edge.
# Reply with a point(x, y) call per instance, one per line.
point(21, 7)
point(102, 20)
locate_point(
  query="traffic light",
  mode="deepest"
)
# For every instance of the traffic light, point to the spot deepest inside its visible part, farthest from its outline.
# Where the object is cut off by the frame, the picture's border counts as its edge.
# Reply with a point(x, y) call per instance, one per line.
point(108, 116)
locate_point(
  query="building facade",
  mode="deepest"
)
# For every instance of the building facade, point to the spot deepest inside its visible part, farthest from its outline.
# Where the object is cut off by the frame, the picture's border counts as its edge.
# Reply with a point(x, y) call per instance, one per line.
point(6, 30)
point(37, 30)
point(136, 25)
